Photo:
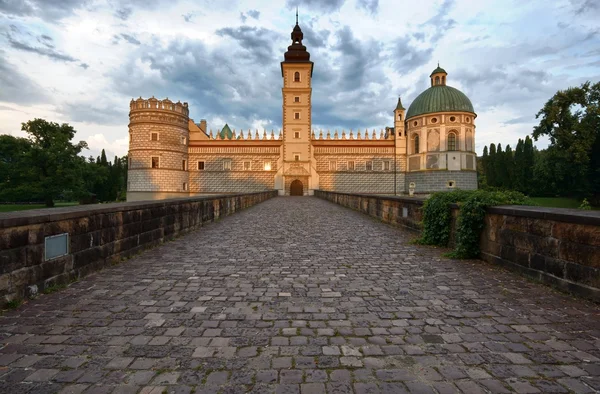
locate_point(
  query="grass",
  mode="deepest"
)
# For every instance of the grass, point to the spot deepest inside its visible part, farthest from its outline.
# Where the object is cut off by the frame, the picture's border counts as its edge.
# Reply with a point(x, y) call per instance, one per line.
point(558, 202)
point(26, 207)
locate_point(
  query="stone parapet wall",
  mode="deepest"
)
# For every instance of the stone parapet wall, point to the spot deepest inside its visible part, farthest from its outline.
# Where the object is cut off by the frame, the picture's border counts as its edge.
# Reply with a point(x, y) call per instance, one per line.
point(98, 236)
point(437, 180)
point(360, 182)
point(231, 181)
point(560, 247)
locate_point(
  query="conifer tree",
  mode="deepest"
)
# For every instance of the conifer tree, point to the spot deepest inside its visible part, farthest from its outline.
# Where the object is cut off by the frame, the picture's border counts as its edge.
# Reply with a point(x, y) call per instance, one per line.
point(492, 179)
point(519, 169)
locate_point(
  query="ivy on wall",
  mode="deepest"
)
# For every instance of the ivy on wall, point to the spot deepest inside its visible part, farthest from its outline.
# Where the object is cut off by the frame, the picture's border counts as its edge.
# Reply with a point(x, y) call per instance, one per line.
point(437, 218)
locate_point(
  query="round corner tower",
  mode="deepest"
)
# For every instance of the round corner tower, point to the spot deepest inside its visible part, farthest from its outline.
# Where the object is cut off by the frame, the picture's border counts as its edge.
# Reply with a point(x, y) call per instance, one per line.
point(158, 150)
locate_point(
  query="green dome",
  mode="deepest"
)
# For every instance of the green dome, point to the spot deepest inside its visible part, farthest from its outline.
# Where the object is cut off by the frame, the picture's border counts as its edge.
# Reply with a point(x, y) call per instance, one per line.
point(438, 70)
point(440, 98)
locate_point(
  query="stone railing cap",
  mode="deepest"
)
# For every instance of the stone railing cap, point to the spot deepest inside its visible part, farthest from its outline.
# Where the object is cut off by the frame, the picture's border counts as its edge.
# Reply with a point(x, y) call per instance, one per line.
point(36, 216)
point(576, 216)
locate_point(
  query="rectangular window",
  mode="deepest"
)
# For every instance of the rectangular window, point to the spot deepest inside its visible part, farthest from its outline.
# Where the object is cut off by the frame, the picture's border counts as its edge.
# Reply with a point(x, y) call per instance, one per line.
point(296, 134)
point(351, 165)
point(185, 186)
point(332, 165)
point(184, 165)
point(369, 166)
point(227, 165)
point(183, 140)
point(201, 165)
point(296, 157)
point(154, 136)
point(267, 166)
point(296, 115)
point(296, 99)
point(247, 165)
point(386, 165)
point(155, 162)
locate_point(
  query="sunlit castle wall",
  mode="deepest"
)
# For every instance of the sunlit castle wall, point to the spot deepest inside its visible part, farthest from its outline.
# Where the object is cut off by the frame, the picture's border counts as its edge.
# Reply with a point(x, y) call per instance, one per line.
point(158, 150)
point(234, 163)
point(358, 162)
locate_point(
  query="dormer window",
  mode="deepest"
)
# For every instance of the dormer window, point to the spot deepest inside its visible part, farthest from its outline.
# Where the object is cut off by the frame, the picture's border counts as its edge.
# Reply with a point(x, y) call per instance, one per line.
point(296, 76)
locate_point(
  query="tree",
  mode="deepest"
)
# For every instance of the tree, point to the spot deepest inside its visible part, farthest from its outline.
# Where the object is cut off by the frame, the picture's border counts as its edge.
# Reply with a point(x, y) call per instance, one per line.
point(571, 119)
point(500, 168)
point(53, 159)
point(15, 172)
point(519, 180)
point(490, 173)
point(509, 167)
point(528, 165)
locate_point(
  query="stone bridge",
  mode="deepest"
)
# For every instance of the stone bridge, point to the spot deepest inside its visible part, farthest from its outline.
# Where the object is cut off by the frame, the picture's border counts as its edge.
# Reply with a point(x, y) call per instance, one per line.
point(299, 295)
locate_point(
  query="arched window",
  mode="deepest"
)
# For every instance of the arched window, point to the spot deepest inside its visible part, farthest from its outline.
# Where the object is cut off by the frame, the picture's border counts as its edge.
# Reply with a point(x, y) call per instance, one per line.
point(443, 80)
point(399, 116)
point(296, 76)
point(451, 141)
point(437, 80)
point(416, 143)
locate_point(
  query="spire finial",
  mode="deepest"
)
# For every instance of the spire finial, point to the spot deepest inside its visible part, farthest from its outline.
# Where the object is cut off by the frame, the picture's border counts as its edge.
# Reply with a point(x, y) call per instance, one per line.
point(296, 14)
point(438, 63)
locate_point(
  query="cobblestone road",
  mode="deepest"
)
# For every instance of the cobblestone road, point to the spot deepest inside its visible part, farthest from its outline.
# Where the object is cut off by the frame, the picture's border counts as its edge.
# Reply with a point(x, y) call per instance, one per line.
point(298, 295)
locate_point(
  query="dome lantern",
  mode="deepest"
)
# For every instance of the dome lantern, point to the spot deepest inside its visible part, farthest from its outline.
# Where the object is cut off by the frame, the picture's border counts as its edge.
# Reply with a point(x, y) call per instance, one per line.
point(439, 98)
point(438, 76)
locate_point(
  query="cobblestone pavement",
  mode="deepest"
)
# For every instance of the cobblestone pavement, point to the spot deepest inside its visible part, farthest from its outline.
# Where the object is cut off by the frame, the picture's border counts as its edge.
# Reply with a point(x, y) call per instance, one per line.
point(298, 295)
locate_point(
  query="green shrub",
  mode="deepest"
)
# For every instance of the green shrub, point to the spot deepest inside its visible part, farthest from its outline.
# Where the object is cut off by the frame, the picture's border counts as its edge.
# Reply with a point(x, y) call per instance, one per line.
point(585, 205)
point(470, 222)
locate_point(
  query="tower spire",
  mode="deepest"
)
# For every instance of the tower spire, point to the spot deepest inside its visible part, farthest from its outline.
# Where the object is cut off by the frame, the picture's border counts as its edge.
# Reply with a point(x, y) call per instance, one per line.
point(296, 14)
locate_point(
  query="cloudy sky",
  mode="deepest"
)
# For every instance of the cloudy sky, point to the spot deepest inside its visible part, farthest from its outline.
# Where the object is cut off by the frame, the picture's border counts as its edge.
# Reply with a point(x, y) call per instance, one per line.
point(81, 61)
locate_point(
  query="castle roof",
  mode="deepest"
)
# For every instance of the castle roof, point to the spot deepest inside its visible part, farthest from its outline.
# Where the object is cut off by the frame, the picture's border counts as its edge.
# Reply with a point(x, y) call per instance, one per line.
point(226, 133)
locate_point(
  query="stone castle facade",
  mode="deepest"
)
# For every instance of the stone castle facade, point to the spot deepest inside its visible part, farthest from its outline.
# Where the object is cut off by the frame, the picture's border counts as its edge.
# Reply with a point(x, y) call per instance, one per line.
point(431, 146)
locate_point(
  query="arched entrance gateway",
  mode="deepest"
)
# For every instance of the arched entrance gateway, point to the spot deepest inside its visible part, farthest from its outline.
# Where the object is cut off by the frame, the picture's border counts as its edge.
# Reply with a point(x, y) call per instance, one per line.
point(296, 188)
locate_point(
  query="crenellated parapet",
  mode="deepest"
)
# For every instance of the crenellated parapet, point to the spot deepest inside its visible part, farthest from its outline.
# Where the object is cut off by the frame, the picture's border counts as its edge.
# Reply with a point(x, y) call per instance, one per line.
point(352, 135)
point(244, 135)
point(158, 111)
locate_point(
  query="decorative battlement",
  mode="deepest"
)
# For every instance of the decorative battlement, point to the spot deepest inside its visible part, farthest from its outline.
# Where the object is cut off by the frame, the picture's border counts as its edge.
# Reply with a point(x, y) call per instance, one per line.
point(156, 104)
point(256, 135)
point(351, 135)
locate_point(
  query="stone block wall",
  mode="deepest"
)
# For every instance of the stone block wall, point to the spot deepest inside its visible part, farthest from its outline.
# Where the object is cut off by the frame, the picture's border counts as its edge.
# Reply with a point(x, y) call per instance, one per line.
point(435, 181)
point(98, 236)
point(559, 247)
point(214, 179)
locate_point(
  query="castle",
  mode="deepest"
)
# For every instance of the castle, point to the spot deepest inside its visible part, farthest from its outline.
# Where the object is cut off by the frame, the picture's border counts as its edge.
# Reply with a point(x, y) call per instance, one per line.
point(431, 146)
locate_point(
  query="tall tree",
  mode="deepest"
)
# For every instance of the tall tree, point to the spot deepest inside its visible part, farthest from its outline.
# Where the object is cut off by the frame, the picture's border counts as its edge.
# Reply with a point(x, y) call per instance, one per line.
point(528, 164)
point(519, 179)
point(571, 119)
point(500, 168)
point(55, 164)
point(490, 174)
point(509, 167)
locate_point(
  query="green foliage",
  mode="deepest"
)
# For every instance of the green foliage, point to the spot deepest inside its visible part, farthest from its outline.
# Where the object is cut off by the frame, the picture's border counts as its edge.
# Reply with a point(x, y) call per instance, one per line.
point(437, 217)
point(585, 205)
point(47, 166)
point(14, 303)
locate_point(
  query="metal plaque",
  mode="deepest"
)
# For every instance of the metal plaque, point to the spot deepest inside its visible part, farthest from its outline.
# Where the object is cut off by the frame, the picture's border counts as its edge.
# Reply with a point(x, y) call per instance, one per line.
point(56, 246)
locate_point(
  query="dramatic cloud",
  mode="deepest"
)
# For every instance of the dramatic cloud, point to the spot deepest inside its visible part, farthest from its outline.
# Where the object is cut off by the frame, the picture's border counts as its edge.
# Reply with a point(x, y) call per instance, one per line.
point(257, 43)
point(16, 87)
point(83, 60)
point(327, 6)
point(45, 9)
point(47, 49)
point(370, 5)
point(254, 14)
point(123, 13)
point(129, 38)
